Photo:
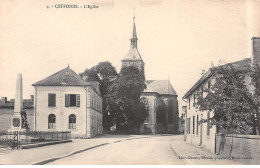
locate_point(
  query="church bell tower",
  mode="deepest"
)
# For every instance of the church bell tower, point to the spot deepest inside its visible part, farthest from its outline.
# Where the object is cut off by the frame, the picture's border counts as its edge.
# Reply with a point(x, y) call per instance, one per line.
point(133, 57)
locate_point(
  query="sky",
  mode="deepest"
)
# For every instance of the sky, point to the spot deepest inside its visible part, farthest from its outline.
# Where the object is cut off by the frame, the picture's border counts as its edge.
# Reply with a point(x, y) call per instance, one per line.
point(177, 38)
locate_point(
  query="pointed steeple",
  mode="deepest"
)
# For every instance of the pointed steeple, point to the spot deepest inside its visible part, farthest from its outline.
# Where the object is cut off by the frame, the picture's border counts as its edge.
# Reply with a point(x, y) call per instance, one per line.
point(133, 57)
point(134, 38)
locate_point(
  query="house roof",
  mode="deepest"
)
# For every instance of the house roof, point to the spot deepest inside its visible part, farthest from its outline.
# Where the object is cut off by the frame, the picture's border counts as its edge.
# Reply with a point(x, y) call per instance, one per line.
point(240, 65)
point(65, 77)
point(160, 86)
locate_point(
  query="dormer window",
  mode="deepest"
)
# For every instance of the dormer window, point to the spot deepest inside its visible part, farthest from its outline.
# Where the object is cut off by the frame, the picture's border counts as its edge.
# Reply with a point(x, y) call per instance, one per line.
point(67, 73)
point(64, 81)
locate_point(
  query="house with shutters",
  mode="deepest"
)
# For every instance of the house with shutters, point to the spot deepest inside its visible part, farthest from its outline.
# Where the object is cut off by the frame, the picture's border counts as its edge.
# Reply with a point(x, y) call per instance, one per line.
point(203, 134)
point(66, 102)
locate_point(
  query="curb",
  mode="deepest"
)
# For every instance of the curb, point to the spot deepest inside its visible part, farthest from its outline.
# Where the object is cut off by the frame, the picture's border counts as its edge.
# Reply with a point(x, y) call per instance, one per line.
point(43, 144)
point(178, 153)
point(76, 152)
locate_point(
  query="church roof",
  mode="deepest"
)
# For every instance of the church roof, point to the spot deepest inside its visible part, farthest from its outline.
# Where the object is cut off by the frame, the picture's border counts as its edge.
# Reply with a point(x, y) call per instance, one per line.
point(65, 77)
point(134, 30)
point(133, 54)
point(160, 87)
point(149, 88)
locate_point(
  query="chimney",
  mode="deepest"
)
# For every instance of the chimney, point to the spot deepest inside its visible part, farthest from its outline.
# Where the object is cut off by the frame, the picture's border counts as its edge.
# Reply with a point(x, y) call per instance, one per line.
point(203, 72)
point(253, 31)
point(4, 100)
point(255, 59)
point(32, 98)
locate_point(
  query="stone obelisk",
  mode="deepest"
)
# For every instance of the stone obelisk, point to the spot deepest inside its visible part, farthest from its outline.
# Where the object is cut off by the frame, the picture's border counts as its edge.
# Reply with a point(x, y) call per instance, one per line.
point(16, 123)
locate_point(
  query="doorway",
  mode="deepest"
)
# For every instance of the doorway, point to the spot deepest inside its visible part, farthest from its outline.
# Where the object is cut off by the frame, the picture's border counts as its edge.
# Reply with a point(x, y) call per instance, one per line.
point(201, 129)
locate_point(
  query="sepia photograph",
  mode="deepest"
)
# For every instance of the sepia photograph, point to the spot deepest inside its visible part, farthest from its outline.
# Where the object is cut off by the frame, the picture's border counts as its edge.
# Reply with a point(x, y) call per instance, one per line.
point(130, 82)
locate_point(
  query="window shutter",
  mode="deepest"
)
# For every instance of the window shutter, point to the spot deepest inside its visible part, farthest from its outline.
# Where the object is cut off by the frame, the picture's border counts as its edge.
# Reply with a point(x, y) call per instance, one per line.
point(49, 99)
point(67, 100)
point(54, 100)
point(78, 100)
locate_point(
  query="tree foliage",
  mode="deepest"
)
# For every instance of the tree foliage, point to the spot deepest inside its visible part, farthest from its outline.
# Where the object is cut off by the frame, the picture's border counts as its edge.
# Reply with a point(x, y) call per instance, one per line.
point(124, 98)
point(234, 107)
point(255, 81)
point(105, 73)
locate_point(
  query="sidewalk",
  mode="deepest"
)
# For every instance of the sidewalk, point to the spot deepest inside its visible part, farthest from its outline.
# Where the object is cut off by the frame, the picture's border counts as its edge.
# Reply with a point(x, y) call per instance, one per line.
point(41, 154)
point(193, 155)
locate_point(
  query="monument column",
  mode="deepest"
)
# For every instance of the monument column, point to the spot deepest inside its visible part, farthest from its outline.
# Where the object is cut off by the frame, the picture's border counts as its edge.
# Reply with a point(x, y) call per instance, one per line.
point(16, 123)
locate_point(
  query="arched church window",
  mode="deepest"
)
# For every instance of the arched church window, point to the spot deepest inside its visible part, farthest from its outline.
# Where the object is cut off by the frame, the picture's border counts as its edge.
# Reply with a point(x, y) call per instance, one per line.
point(72, 121)
point(52, 121)
point(161, 111)
point(144, 100)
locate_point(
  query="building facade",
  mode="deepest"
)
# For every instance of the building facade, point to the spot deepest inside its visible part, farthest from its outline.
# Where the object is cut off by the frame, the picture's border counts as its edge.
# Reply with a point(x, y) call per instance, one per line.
point(204, 134)
point(159, 96)
point(66, 102)
point(7, 111)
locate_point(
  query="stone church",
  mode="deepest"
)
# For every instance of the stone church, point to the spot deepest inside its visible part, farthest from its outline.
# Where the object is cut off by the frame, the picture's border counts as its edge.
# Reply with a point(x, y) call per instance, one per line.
point(159, 96)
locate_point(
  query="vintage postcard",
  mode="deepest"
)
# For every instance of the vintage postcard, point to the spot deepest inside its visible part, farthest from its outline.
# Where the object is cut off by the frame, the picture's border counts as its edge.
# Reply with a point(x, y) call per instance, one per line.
point(132, 82)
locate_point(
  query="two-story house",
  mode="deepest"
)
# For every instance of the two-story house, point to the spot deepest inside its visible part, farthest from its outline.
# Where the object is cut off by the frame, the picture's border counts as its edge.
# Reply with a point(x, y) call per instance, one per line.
point(204, 134)
point(66, 102)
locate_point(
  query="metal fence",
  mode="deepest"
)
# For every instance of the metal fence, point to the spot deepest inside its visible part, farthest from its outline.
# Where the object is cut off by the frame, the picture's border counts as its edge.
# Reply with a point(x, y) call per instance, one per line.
point(245, 148)
point(28, 137)
point(9, 139)
point(17, 138)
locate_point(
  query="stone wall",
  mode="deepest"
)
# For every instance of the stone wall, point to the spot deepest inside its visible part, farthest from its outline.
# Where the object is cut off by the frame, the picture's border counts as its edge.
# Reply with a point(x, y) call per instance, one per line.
point(246, 148)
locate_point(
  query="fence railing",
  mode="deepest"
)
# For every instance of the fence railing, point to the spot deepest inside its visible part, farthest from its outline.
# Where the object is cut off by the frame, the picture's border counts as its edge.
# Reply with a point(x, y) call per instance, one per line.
point(245, 148)
point(28, 137)
point(9, 139)
point(17, 138)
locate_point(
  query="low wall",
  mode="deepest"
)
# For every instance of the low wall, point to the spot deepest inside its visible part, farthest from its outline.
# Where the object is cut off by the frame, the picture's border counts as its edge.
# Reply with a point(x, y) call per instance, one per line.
point(246, 148)
point(6, 115)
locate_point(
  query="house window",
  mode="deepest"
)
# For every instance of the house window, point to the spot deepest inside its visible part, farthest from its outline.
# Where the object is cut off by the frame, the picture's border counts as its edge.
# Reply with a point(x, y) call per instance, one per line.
point(189, 102)
point(51, 121)
point(197, 129)
point(193, 124)
point(72, 100)
point(208, 126)
point(194, 98)
point(92, 101)
point(51, 100)
point(95, 102)
point(209, 84)
point(188, 125)
point(72, 121)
